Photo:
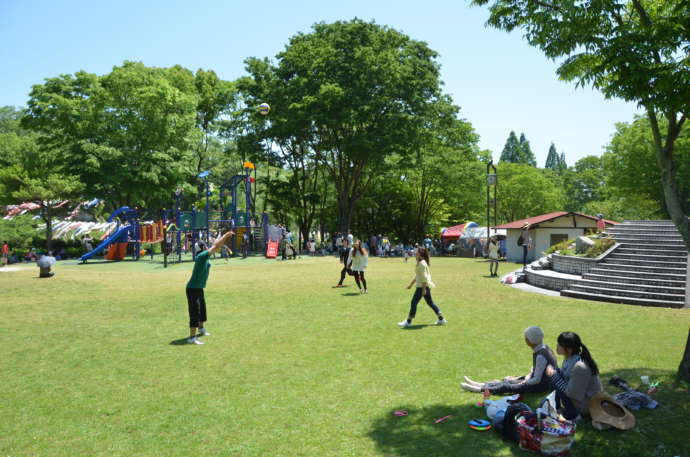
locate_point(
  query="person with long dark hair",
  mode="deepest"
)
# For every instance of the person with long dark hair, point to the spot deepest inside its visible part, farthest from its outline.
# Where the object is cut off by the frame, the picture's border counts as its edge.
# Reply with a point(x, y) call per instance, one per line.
point(424, 284)
point(577, 381)
point(359, 258)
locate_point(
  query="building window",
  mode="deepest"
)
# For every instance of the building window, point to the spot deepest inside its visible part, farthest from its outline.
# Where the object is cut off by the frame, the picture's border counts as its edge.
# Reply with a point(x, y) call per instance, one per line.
point(555, 239)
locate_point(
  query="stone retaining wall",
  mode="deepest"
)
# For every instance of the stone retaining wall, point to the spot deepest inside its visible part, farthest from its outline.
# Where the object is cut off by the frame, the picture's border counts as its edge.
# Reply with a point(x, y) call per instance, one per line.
point(577, 265)
point(536, 279)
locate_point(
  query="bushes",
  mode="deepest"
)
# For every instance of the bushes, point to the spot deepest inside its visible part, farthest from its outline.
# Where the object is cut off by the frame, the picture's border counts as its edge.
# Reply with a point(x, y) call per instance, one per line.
point(567, 247)
point(601, 245)
point(18, 232)
point(563, 247)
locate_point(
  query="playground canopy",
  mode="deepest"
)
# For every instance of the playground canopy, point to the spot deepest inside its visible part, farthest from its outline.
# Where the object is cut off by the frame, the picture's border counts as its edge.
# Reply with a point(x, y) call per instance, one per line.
point(455, 231)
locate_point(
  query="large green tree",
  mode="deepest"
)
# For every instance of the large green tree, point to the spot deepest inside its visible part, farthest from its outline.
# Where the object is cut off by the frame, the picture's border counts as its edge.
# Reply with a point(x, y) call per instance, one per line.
point(38, 177)
point(126, 135)
point(355, 92)
point(526, 191)
point(629, 163)
point(636, 50)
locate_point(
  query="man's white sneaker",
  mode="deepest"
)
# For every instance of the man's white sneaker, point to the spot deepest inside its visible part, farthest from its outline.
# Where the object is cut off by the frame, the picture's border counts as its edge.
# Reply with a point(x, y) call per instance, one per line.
point(441, 321)
point(194, 341)
point(203, 332)
point(404, 324)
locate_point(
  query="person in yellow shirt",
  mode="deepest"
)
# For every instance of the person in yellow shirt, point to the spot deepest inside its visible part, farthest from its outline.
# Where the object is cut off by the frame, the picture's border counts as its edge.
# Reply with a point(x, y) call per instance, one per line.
point(424, 284)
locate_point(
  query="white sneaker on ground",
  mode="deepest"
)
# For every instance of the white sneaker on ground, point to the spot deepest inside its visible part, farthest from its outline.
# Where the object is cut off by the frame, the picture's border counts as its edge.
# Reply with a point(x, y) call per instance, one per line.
point(366, 291)
point(441, 321)
point(194, 340)
point(203, 332)
point(404, 324)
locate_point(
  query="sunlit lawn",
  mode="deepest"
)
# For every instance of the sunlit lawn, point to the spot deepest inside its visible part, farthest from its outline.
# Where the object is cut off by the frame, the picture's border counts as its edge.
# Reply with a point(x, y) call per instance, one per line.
point(92, 363)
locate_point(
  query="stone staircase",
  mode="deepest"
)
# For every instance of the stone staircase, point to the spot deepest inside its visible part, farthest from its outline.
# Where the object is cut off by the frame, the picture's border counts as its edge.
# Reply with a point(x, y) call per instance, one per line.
point(648, 267)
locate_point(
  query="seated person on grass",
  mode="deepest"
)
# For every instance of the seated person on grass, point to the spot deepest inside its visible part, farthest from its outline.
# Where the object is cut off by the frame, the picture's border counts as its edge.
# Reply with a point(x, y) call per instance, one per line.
point(535, 381)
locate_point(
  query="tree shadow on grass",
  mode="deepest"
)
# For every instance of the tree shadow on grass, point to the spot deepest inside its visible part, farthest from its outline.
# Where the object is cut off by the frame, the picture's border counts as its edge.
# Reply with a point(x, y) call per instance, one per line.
point(658, 432)
point(418, 434)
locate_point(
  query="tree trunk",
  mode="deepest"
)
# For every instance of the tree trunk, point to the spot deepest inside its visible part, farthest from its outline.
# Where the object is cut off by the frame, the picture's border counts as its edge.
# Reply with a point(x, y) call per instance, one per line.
point(684, 368)
point(343, 214)
point(49, 230)
point(674, 205)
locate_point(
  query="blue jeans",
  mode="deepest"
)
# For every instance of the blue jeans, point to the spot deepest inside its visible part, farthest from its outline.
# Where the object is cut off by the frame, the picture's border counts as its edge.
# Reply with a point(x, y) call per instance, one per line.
point(429, 301)
point(568, 408)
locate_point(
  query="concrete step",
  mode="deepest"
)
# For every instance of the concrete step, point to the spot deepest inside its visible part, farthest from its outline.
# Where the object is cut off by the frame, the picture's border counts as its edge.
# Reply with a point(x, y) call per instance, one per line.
point(659, 222)
point(633, 280)
point(650, 250)
point(668, 244)
point(644, 263)
point(619, 299)
point(650, 236)
point(646, 258)
point(648, 222)
point(640, 268)
point(603, 272)
point(612, 292)
point(662, 247)
point(643, 229)
point(641, 286)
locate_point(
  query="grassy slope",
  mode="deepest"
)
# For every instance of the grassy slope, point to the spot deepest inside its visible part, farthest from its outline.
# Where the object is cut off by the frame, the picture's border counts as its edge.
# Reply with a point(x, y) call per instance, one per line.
point(92, 364)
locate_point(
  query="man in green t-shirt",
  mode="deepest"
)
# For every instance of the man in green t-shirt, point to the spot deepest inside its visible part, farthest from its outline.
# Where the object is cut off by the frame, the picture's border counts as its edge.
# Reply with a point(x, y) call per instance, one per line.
point(195, 289)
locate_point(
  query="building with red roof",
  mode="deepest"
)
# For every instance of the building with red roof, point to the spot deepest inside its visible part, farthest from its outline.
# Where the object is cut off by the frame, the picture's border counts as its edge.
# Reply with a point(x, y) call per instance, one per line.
point(547, 230)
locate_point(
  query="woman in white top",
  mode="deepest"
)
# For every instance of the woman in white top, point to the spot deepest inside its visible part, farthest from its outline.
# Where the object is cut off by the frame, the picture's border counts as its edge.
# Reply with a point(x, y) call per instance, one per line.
point(359, 258)
point(493, 256)
point(424, 284)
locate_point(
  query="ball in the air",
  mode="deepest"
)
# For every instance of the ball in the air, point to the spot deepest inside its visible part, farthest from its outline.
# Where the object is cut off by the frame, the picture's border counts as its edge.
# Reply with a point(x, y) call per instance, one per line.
point(264, 108)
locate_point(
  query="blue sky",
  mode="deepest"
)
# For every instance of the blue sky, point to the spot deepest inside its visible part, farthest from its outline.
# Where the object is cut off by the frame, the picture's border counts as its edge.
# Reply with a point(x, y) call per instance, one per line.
point(500, 82)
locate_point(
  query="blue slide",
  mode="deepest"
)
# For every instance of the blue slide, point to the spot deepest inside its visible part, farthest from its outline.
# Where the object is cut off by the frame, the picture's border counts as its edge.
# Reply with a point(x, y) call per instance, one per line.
point(120, 236)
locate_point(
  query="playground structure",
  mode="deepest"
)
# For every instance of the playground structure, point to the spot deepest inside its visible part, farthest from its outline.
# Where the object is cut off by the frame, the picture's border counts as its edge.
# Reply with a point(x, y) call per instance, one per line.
point(179, 230)
point(129, 231)
point(183, 229)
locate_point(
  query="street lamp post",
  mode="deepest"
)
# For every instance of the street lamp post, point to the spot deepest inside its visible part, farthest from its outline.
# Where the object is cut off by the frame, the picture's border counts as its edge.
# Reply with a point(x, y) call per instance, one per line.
point(491, 183)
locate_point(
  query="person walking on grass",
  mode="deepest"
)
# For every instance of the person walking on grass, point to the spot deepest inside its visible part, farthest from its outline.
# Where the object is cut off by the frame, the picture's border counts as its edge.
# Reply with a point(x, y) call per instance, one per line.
point(424, 284)
point(493, 256)
point(359, 258)
point(195, 289)
point(345, 260)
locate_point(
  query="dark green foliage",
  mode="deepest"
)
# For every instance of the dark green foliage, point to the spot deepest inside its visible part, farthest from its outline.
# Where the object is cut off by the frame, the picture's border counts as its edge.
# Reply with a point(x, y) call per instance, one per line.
point(510, 151)
point(601, 245)
point(553, 161)
point(518, 151)
point(525, 152)
point(18, 232)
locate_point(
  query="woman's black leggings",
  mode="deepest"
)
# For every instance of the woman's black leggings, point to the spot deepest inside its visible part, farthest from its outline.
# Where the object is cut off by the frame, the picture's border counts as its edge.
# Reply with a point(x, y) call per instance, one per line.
point(343, 272)
point(359, 276)
point(429, 301)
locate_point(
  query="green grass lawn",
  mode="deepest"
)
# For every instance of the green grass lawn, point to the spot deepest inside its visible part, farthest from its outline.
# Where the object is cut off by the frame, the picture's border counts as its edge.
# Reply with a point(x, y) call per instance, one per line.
point(93, 365)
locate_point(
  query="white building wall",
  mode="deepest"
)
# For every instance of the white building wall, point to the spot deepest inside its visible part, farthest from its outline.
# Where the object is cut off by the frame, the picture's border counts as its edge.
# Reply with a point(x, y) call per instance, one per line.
point(541, 236)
